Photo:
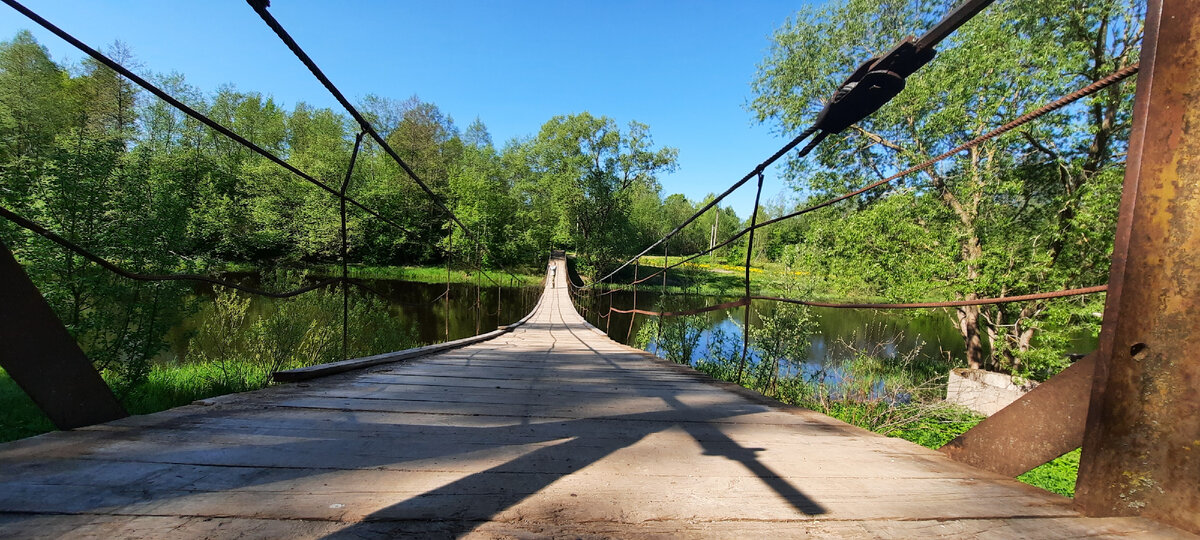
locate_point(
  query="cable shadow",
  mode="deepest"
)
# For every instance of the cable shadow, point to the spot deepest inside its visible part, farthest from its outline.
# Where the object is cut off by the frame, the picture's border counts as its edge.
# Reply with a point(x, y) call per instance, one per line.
point(460, 506)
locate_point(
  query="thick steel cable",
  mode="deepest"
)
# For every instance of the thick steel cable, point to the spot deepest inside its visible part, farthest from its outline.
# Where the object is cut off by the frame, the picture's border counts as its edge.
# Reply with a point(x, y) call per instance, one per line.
point(726, 305)
point(137, 276)
point(213, 124)
point(1111, 79)
point(950, 303)
point(947, 25)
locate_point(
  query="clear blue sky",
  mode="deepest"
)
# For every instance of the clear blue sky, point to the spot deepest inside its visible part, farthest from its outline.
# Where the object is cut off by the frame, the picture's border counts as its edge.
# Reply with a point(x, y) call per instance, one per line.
point(683, 67)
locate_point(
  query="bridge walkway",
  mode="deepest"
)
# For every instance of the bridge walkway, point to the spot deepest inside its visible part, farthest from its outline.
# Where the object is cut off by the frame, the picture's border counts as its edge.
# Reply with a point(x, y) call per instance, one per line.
point(550, 430)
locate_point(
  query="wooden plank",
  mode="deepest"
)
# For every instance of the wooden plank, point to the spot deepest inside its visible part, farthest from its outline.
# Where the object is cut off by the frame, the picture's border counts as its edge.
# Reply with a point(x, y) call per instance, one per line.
point(332, 368)
point(547, 430)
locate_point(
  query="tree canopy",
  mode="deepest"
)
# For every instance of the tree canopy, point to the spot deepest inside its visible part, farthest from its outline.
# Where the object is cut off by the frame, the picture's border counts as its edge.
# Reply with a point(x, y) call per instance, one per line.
point(1029, 211)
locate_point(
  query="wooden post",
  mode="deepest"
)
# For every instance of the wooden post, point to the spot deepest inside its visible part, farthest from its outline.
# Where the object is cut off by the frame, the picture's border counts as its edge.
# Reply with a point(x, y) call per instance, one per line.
point(1141, 447)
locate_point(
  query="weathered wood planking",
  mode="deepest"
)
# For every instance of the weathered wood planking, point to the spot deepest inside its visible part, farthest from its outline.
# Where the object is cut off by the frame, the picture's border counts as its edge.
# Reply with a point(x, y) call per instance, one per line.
point(550, 430)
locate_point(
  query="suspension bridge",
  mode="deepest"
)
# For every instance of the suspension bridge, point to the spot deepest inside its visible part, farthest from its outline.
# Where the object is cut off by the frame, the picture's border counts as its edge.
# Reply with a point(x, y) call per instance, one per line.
point(548, 428)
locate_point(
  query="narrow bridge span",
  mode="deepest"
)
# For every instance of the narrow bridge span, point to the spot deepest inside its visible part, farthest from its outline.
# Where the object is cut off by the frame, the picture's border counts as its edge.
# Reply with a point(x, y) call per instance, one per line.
point(549, 430)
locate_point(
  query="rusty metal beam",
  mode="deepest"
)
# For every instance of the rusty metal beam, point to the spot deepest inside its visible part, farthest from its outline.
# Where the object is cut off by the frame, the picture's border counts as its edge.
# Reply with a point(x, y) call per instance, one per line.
point(1141, 451)
point(1044, 424)
point(43, 359)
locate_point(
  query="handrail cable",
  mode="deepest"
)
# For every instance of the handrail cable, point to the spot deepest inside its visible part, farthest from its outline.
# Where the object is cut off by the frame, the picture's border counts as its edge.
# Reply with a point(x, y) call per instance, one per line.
point(855, 99)
point(137, 276)
point(951, 303)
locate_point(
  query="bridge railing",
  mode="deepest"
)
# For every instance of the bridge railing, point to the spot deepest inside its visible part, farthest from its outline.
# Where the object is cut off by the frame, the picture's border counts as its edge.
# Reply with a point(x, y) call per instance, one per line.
point(1146, 406)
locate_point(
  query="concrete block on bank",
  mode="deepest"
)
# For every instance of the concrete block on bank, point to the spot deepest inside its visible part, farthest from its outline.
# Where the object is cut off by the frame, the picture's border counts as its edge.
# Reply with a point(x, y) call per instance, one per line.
point(984, 392)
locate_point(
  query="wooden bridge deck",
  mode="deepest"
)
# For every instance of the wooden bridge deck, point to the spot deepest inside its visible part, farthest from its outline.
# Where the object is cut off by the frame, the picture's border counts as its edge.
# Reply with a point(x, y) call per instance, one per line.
point(551, 430)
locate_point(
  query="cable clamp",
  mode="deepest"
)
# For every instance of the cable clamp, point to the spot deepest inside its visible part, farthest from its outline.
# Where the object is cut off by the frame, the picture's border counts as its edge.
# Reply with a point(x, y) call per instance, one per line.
point(872, 85)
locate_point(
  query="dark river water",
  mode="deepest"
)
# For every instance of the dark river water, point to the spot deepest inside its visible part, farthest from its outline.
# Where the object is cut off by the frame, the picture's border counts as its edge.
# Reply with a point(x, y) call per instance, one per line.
point(837, 335)
point(420, 306)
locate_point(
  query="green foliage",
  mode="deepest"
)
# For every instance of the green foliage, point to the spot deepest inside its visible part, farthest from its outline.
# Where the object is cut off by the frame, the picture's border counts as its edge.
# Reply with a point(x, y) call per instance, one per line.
point(19, 416)
point(678, 338)
point(1027, 211)
point(724, 353)
point(780, 337)
point(245, 345)
point(588, 177)
point(1058, 475)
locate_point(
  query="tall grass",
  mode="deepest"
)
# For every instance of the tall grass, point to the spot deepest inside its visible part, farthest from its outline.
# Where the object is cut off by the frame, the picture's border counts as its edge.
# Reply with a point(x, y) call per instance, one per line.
point(19, 416)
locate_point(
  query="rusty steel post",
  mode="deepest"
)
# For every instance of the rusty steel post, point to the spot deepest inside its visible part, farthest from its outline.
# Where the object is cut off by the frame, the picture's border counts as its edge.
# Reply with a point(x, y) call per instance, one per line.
point(1141, 449)
point(1040, 426)
point(43, 358)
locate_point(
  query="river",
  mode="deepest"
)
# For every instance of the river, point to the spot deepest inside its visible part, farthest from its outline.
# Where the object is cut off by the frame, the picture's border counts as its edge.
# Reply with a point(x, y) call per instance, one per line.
point(838, 334)
point(419, 306)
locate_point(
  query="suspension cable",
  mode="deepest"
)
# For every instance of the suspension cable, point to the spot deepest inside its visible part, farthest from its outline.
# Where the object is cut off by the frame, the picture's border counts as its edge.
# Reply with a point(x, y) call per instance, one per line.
point(871, 86)
point(213, 124)
point(950, 303)
point(34, 227)
point(260, 7)
point(1111, 79)
point(749, 176)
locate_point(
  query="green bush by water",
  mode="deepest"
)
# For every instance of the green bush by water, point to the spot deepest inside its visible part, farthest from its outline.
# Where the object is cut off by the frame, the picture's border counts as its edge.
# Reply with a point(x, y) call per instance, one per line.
point(234, 350)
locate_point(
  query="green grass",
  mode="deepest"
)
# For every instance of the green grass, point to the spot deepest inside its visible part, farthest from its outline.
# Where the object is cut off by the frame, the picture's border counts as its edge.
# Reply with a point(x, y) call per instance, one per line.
point(167, 387)
point(434, 274)
point(1057, 476)
point(170, 386)
point(19, 417)
point(716, 278)
point(424, 274)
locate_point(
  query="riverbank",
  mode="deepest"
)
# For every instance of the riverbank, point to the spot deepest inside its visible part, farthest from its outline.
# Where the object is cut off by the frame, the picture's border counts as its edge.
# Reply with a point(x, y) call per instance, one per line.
point(165, 387)
point(525, 277)
point(716, 278)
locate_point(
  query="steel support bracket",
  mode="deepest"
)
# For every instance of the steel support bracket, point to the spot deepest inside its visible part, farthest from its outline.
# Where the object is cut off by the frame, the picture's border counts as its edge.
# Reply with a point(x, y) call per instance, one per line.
point(44, 359)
